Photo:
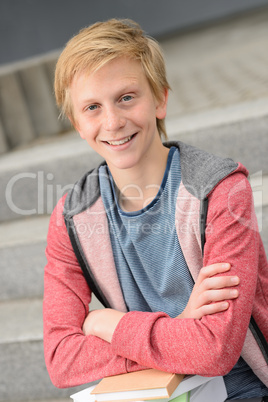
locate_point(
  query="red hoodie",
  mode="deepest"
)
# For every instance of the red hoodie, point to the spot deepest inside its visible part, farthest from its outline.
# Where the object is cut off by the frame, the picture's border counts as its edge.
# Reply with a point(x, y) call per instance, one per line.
point(210, 346)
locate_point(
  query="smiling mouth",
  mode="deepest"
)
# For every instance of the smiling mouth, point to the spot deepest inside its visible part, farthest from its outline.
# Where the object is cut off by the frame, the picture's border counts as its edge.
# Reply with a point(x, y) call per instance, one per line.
point(121, 142)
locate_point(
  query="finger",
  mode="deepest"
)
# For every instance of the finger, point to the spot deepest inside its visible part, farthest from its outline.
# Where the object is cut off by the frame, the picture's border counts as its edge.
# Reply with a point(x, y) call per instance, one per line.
point(211, 270)
point(220, 282)
point(212, 308)
point(212, 296)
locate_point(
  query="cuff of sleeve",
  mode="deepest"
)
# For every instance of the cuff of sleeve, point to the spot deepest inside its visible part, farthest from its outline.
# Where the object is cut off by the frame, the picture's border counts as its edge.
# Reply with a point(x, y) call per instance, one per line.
point(132, 366)
point(132, 336)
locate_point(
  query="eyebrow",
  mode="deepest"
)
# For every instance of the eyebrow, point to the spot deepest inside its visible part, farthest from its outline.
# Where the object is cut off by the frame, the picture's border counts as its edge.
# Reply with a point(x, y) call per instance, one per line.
point(126, 88)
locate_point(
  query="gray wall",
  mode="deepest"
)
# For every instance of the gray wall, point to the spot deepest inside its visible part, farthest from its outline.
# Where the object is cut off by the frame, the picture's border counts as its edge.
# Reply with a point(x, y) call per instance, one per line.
point(32, 27)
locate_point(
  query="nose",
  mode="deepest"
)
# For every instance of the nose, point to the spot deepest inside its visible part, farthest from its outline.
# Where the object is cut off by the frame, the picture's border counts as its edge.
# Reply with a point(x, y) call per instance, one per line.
point(113, 119)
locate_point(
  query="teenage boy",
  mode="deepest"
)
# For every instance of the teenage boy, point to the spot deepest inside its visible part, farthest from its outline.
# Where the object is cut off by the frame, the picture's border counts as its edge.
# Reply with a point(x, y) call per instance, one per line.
point(138, 229)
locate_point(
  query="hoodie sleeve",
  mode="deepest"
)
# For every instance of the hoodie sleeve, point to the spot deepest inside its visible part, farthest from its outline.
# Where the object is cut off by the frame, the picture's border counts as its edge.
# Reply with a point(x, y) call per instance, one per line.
point(71, 357)
point(210, 346)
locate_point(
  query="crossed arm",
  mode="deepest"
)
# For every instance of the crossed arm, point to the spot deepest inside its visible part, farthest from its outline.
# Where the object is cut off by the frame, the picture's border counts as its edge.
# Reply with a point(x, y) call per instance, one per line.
point(210, 295)
point(116, 342)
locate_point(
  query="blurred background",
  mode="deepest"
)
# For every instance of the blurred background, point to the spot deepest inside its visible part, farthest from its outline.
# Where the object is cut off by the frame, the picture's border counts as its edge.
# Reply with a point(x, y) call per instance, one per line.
point(34, 27)
point(216, 56)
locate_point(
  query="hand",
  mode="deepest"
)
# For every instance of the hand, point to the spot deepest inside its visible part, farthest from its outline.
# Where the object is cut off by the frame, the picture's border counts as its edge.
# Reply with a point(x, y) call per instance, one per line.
point(102, 323)
point(211, 293)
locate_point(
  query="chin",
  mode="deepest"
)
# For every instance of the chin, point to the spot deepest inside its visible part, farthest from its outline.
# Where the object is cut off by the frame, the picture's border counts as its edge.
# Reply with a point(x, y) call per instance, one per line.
point(124, 164)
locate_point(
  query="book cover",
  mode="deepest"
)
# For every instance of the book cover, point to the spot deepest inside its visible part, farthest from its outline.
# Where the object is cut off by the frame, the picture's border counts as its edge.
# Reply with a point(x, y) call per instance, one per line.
point(181, 398)
point(140, 385)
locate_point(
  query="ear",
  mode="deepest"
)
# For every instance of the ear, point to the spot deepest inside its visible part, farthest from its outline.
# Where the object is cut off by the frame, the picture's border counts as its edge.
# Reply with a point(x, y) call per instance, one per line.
point(161, 106)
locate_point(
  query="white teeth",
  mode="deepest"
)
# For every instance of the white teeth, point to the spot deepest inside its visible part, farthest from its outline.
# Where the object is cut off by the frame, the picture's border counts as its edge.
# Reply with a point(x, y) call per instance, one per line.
point(120, 142)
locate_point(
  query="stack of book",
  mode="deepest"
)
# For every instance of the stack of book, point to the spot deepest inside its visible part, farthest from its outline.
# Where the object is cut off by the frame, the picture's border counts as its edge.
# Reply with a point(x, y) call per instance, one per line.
point(155, 386)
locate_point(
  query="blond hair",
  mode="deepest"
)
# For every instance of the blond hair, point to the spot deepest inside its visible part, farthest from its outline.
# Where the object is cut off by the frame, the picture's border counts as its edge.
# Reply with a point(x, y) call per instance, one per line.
point(102, 42)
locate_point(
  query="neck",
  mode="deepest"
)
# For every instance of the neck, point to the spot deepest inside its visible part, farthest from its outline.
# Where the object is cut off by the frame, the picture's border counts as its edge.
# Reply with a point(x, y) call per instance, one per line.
point(138, 186)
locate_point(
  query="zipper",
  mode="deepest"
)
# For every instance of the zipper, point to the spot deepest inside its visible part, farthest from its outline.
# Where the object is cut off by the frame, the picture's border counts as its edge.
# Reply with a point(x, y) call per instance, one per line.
point(203, 221)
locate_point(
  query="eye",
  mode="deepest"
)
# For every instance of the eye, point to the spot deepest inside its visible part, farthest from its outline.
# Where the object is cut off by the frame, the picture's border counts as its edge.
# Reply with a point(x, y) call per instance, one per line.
point(92, 107)
point(126, 98)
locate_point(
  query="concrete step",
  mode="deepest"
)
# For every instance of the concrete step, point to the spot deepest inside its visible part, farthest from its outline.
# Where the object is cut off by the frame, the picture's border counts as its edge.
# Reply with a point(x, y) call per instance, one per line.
point(20, 128)
point(21, 353)
point(26, 91)
point(219, 97)
point(41, 400)
point(218, 65)
point(22, 258)
point(34, 178)
point(236, 131)
point(4, 147)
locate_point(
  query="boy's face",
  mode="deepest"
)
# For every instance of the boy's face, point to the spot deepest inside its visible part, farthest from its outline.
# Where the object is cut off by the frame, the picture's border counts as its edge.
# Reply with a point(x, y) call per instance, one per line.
point(115, 112)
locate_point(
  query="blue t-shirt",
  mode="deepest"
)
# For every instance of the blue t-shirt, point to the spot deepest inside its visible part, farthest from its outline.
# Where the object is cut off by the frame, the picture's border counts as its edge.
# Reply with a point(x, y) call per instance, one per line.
point(150, 264)
point(152, 271)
